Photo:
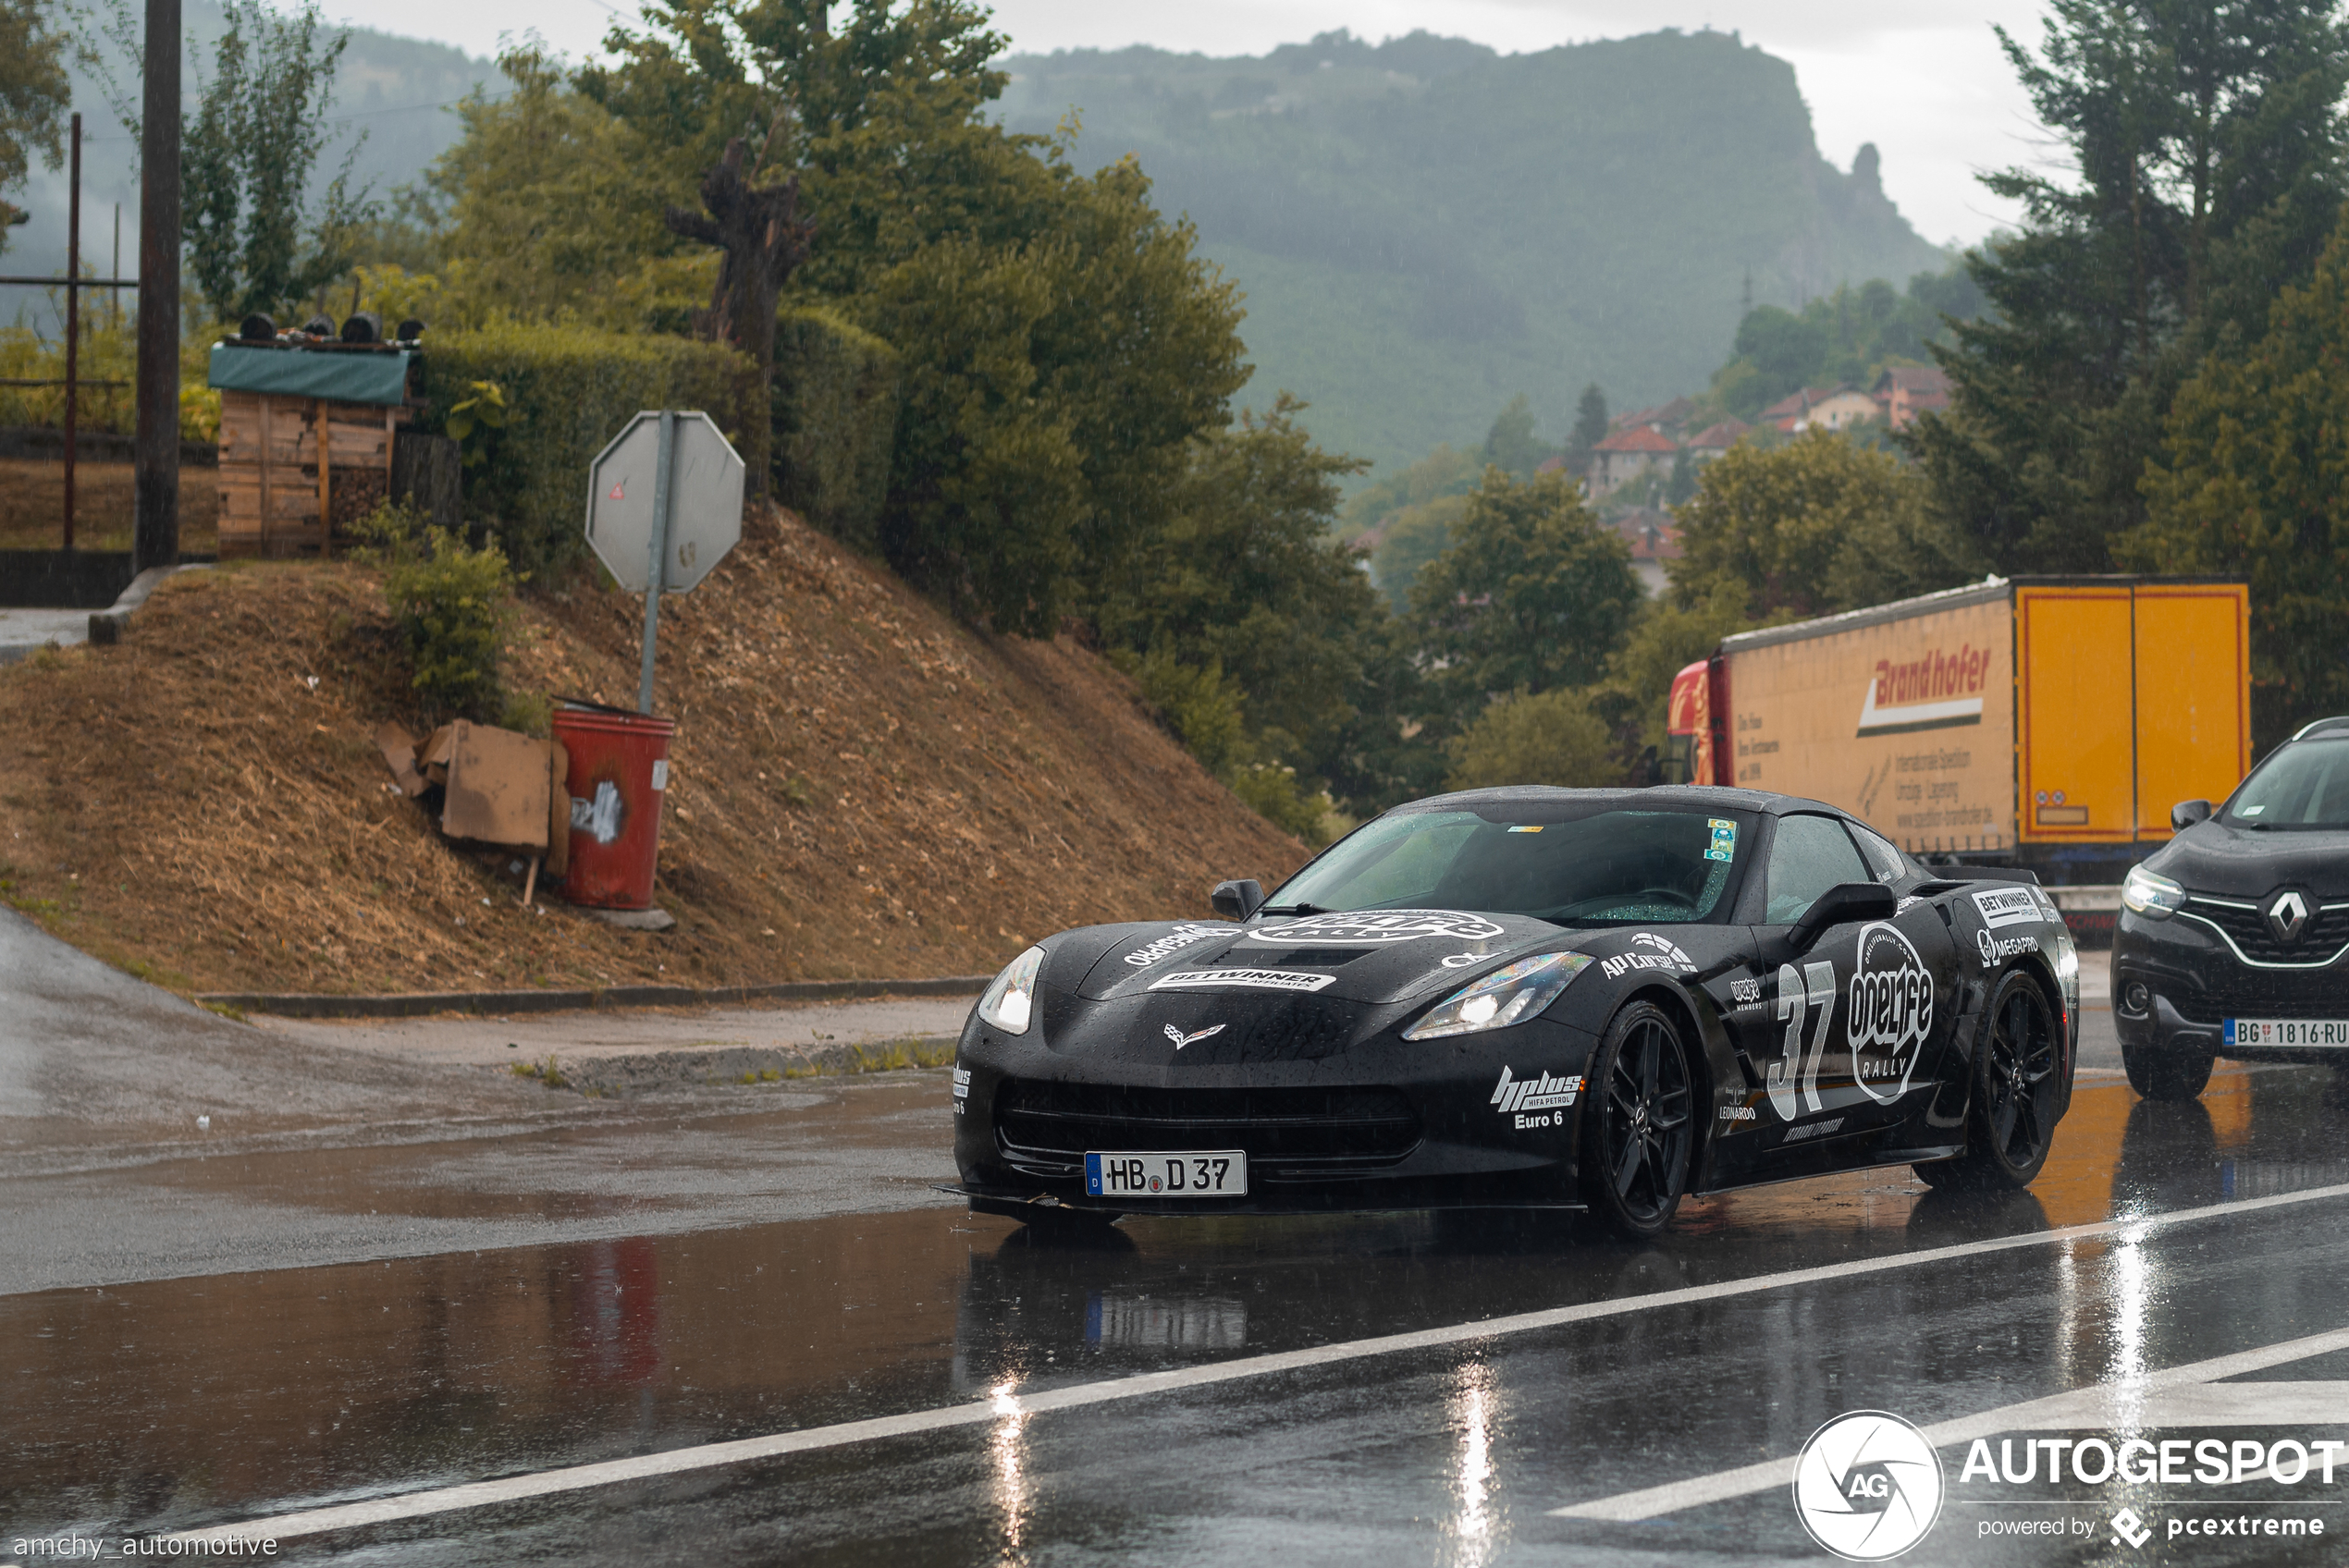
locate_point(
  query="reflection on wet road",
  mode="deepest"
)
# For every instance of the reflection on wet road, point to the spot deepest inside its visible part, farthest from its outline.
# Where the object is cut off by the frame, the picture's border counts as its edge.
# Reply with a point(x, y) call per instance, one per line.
point(182, 1404)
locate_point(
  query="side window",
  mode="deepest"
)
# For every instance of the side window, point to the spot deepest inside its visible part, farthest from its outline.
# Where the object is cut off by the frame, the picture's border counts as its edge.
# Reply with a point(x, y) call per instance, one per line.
point(1886, 860)
point(1809, 855)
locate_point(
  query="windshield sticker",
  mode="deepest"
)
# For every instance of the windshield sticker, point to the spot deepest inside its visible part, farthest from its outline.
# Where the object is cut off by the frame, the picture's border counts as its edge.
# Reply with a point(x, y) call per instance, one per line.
point(1650, 951)
point(1525, 830)
point(1377, 928)
point(1182, 937)
point(2007, 906)
point(1891, 1012)
point(1725, 839)
point(1242, 979)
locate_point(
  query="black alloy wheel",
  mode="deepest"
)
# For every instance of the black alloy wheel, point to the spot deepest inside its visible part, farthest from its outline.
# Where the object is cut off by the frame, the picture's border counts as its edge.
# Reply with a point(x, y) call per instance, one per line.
point(1640, 1124)
point(2011, 1120)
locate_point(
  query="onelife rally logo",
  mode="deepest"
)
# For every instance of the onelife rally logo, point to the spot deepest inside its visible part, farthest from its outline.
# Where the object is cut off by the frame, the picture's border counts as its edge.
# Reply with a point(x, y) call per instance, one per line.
point(1891, 1012)
point(1376, 928)
point(1868, 1485)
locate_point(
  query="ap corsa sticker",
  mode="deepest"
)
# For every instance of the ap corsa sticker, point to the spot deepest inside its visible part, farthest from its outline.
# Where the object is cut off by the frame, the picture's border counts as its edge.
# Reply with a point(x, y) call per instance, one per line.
point(1378, 928)
point(1649, 951)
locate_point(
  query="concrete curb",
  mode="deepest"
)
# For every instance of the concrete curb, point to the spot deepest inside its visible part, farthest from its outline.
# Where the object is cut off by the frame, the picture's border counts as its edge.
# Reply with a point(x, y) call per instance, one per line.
point(423, 1004)
point(106, 626)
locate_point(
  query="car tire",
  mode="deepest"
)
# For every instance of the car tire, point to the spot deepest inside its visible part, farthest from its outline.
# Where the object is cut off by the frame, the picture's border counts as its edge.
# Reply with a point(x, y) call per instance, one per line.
point(1639, 1123)
point(2160, 1073)
point(2010, 1115)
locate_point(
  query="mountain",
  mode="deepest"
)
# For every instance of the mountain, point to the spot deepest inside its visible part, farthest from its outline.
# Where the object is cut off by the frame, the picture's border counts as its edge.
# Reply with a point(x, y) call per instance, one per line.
point(1425, 227)
point(398, 90)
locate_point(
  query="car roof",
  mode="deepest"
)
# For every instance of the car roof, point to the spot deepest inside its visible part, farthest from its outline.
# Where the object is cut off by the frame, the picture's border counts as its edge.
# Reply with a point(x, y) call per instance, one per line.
point(1690, 796)
point(2337, 724)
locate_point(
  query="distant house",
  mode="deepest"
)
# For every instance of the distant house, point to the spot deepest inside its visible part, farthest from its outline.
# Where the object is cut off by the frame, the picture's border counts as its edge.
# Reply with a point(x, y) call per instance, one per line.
point(1905, 391)
point(1835, 407)
point(1626, 456)
point(1653, 540)
point(1715, 439)
point(1664, 419)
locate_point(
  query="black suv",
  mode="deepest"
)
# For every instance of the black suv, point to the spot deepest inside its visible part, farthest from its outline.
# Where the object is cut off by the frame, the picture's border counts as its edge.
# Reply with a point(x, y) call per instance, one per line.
point(2234, 938)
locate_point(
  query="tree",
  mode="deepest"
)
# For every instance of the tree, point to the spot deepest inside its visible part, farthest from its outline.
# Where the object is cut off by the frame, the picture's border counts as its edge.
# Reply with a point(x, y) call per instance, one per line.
point(1534, 594)
point(2253, 483)
point(1551, 738)
point(2209, 152)
point(1511, 445)
point(34, 96)
point(1590, 428)
point(1818, 524)
point(1414, 536)
point(261, 123)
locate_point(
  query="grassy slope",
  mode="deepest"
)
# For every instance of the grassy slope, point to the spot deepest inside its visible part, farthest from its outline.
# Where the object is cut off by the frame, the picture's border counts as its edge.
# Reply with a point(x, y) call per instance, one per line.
point(189, 805)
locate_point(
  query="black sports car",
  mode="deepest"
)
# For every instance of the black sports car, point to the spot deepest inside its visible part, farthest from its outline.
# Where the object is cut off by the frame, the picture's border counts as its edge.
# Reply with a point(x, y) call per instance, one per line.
point(2234, 938)
point(1566, 998)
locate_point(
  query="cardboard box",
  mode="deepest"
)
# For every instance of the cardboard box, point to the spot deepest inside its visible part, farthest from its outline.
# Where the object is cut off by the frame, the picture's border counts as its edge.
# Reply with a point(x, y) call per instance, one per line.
point(498, 789)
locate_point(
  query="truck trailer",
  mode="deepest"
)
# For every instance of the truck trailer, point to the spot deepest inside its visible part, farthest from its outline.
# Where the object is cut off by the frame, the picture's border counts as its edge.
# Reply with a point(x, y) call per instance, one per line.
point(2048, 723)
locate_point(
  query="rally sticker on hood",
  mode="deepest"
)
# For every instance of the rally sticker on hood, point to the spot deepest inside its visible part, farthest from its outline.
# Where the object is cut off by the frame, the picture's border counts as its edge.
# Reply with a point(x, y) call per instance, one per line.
point(1379, 928)
point(1182, 937)
point(1243, 979)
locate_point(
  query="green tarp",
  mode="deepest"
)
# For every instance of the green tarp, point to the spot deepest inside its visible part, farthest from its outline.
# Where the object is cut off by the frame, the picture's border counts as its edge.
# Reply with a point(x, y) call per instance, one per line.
point(378, 378)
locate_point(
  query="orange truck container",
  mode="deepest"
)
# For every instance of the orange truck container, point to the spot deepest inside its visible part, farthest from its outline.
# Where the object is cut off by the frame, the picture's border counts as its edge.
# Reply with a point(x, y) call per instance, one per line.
point(2045, 722)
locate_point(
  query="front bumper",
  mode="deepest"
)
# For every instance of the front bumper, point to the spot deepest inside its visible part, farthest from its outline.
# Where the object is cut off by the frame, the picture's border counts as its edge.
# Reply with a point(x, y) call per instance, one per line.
point(1385, 1124)
point(2193, 982)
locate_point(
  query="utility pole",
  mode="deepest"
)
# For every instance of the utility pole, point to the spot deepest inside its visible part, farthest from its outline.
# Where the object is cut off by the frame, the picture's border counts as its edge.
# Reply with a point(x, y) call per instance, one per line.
point(73, 323)
point(155, 539)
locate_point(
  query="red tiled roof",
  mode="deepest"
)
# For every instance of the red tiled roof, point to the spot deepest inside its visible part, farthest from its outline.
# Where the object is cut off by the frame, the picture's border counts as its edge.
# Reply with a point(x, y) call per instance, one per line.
point(1914, 379)
point(1639, 438)
point(1721, 436)
point(1800, 402)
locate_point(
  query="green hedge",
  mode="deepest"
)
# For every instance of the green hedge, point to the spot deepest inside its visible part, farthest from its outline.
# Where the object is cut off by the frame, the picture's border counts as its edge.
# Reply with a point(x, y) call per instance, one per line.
point(835, 417)
point(568, 392)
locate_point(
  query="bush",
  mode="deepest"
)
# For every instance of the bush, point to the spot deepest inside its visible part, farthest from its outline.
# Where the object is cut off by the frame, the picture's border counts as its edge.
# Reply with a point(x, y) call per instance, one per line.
point(835, 418)
point(454, 605)
point(1271, 791)
point(1195, 701)
point(1550, 739)
point(568, 391)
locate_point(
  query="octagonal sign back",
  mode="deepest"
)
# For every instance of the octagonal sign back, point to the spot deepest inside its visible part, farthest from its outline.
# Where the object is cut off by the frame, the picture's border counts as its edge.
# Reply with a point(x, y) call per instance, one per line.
point(705, 502)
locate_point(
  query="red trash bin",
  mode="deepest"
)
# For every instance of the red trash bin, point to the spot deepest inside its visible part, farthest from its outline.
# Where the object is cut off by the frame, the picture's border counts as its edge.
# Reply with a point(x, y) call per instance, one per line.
point(619, 773)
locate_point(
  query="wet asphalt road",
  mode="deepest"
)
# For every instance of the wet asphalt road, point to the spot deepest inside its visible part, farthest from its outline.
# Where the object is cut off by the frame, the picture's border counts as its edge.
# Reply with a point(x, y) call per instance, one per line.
point(656, 1282)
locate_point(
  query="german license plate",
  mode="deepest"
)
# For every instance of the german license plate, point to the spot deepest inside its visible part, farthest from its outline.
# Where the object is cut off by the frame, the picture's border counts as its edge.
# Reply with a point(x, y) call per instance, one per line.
point(1167, 1174)
point(2319, 1032)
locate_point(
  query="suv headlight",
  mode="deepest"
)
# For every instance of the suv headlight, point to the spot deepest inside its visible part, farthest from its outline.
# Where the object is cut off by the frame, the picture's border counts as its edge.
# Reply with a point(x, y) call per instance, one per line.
point(2151, 894)
point(1509, 994)
point(1010, 1002)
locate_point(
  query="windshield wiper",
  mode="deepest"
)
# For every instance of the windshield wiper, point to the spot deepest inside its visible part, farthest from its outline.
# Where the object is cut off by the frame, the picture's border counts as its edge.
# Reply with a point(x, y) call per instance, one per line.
point(1293, 909)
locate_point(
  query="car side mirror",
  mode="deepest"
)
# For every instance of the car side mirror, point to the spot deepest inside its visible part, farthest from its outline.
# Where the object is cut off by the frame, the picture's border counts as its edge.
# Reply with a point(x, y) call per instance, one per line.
point(1237, 900)
point(1844, 902)
point(2185, 814)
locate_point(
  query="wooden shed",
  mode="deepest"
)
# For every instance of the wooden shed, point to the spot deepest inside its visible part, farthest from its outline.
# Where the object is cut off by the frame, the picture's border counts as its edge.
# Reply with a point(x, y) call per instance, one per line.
point(307, 434)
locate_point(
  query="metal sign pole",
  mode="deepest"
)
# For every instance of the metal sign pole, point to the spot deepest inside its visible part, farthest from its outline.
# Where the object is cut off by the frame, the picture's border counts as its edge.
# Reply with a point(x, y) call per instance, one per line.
point(662, 465)
point(73, 322)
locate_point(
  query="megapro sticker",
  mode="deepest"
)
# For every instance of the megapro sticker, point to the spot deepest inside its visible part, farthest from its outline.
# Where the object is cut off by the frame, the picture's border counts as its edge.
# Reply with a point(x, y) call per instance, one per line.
point(1174, 941)
point(1649, 951)
point(1242, 979)
point(1890, 1013)
point(1993, 948)
point(1519, 1096)
point(1725, 838)
point(1377, 928)
point(2007, 906)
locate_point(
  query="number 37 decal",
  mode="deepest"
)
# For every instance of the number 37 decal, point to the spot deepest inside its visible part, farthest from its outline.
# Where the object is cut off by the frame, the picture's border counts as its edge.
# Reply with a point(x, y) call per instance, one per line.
point(1794, 1078)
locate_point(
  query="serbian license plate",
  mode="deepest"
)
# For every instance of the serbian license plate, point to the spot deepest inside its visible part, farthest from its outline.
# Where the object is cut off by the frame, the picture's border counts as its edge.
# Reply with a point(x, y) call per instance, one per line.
point(1167, 1174)
point(2322, 1033)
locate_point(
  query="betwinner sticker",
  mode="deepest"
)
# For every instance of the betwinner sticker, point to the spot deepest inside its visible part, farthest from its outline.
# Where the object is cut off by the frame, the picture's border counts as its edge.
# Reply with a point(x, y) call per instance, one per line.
point(2007, 906)
point(1725, 839)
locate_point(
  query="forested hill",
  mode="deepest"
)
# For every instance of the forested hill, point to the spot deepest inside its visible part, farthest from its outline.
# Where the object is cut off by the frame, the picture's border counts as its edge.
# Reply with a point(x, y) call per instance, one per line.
point(1425, 227)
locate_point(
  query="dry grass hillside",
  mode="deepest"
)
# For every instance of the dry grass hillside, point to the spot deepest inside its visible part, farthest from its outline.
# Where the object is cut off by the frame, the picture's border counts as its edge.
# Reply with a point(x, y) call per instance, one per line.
point(860, 788)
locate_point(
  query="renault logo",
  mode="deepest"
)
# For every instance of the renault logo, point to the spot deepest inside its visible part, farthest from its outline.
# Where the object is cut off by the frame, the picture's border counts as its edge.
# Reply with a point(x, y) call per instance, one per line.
point(2288, 915)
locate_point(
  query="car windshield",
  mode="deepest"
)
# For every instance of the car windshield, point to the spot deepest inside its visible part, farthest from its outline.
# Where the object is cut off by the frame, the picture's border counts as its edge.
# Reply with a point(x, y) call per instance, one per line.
point(1600, 867)
point(2305, 786)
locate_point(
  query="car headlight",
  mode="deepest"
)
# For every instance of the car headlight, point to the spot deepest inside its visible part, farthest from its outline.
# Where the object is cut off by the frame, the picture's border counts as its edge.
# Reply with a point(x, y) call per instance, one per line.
point(2151, 894)
point(1010, 1002)
point(1509, 994)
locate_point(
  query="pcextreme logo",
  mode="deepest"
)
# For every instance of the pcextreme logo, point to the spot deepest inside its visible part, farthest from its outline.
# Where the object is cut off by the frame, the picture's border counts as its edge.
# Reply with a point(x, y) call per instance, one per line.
point(1868, 1485)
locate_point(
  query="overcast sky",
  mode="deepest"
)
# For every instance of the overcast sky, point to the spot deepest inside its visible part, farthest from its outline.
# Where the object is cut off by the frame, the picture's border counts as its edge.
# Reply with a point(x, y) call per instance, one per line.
point(1922, 78)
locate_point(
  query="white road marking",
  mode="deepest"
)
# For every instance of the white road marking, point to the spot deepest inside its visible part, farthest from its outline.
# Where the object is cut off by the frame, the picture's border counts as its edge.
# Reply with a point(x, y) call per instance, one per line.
point(704, 1456)
point(2180, 1396)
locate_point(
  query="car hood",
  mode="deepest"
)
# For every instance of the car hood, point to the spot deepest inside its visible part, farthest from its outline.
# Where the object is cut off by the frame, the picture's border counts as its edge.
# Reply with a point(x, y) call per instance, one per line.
point(2212, 857)
point(1375, 956)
